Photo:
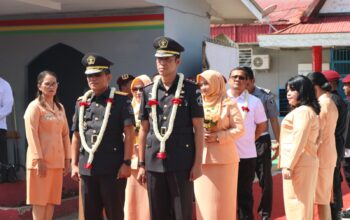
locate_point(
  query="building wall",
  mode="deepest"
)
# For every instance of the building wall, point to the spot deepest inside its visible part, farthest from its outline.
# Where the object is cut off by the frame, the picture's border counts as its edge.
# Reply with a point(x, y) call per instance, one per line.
point(283, 65)
point(131, 51)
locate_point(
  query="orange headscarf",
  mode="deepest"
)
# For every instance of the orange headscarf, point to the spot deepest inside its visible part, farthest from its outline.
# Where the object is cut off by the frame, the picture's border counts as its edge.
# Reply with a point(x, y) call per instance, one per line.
point(217, 89)
point(145, 80)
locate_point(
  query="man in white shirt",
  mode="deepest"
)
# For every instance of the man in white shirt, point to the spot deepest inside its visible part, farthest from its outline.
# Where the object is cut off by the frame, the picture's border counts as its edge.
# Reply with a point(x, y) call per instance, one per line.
point(255, 122)
point(6, 103)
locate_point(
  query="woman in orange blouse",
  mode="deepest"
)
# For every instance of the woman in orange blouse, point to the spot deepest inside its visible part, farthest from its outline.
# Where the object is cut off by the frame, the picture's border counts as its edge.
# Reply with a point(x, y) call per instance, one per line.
point(48, 154)
point(216, 189)
point(298, 138)
point(327, 153)
point(136, 199)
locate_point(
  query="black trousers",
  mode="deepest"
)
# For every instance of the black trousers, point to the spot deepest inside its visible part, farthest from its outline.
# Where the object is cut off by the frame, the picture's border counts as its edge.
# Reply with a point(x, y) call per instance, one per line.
point(337, 204)
point(170, 195)
point(245, 201)
point(263, 172)
point(103, 191)
point(3, 147)
point(346, 170)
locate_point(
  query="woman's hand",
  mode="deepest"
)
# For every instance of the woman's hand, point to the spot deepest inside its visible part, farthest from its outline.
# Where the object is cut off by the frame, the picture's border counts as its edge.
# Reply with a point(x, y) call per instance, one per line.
point(210, 137)
point(287, 173)
point(67, 167)
point(141, 175)
point(41, 171)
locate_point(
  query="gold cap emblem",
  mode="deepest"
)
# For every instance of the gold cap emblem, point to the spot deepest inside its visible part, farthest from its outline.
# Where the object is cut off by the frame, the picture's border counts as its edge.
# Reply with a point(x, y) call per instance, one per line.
point(163, 43)
point(125, 76)
point(91, 60)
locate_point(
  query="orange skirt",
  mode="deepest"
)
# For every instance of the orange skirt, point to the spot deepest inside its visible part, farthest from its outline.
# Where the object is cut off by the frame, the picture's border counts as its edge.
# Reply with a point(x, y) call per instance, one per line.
point(216, 192)
point(324, 186)
point(44, 190)
point(136, 206)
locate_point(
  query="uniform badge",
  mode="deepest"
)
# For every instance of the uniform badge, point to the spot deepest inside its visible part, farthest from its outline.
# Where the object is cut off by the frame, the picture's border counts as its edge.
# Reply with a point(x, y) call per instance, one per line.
point(163, 43)
point(199, 101)
point(91, 60)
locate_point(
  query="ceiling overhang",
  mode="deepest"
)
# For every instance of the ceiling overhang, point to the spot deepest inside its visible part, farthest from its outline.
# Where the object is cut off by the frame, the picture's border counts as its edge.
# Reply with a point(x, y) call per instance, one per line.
point(276, 41)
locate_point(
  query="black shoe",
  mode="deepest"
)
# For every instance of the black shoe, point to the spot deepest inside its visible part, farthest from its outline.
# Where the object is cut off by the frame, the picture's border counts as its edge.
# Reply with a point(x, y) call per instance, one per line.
point(265, 216)
point(345, 214)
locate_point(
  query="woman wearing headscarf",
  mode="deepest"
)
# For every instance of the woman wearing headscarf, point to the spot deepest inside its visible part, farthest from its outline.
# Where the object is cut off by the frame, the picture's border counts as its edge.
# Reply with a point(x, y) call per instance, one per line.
point(48, 154)
point(216, 189)
point(136, 199)
point(299, 146)
point(327, 152)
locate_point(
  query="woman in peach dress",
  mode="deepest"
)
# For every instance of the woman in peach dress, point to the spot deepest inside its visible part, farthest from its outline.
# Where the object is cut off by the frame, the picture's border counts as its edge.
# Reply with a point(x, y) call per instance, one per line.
point(136, 205)
point(48, 154)
point(216, 189)
point(298, 157)
point(327, 153)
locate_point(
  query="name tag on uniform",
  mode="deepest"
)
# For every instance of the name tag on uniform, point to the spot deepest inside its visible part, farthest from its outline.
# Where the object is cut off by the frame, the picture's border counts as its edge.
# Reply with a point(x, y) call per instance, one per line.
point(162, 130)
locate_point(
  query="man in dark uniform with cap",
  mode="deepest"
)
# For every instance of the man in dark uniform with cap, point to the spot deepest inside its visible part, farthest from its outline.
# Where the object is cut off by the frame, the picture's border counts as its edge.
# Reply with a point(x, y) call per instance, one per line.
point(337, 204)
point(124, 83)
point(171, 136)
point(263, 145)
point(100, 153)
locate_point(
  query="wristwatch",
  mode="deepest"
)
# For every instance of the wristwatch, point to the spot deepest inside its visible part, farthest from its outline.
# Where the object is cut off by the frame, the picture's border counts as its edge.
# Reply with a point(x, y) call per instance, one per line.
point(127, 162)
point(141, 164)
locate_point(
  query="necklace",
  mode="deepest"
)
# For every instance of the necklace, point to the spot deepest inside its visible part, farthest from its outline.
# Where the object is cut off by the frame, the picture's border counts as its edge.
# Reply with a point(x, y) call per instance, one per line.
point(153, 102)
point(245, 108)
point(95, 145)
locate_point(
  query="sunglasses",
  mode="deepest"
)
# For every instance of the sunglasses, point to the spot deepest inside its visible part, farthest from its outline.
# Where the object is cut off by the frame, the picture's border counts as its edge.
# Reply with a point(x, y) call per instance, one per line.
point(135, 89)
point(238, 77)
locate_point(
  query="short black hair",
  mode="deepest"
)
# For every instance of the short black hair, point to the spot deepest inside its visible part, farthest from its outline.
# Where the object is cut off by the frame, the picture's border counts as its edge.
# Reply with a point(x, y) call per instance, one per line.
point(304, 87)
point(248, 72)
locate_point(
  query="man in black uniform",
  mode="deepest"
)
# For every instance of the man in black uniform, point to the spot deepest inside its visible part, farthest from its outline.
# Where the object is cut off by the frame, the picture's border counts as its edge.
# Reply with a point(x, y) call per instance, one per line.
point(337, 205)
point(100, 153)
point(124, 83)
point(263, 145)
point(170, 149)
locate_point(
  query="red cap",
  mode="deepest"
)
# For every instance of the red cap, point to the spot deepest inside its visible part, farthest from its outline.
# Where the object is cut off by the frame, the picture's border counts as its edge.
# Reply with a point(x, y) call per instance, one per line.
point(331, 75)
point(346, 79)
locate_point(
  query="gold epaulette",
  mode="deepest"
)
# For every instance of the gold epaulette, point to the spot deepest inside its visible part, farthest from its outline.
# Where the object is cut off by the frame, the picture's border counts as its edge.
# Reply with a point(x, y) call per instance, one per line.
point(121, 93)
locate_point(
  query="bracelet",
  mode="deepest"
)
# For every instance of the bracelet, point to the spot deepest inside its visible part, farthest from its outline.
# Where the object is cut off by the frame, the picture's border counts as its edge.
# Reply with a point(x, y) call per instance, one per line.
point(141, 164)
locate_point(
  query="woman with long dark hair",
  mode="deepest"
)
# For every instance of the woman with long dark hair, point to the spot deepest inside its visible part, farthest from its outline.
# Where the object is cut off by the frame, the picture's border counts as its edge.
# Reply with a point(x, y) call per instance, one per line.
point(327, 152)
point(298, 158)
point(48, 154)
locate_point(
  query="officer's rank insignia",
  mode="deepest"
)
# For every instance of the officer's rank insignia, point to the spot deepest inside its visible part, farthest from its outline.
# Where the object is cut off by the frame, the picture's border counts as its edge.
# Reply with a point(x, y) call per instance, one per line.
point(125, 76)
point(163, 43)
point(91, 60)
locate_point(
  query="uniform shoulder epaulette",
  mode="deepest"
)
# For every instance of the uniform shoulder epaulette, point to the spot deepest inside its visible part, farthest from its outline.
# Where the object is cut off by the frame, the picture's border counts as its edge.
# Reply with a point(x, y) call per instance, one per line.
point(190, 81)
point(267, 91)
point(121, 93)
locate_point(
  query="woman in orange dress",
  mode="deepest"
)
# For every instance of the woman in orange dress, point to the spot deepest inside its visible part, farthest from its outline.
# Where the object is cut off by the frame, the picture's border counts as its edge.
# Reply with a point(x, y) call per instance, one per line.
point(216, 189)
point(327, 153)
point(136, 205)
point(48, 154)
point(298, 157)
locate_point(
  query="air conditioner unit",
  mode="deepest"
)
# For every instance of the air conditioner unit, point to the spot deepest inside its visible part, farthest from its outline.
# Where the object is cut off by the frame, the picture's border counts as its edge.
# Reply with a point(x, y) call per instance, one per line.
point(261, 62)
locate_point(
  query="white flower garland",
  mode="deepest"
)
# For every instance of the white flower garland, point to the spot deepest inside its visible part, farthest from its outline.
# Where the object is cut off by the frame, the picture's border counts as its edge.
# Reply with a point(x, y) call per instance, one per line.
point(94, 147)
point(167, 134)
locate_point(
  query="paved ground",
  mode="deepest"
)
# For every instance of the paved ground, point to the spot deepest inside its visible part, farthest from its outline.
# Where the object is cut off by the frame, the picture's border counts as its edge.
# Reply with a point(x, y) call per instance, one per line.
point(73, 216)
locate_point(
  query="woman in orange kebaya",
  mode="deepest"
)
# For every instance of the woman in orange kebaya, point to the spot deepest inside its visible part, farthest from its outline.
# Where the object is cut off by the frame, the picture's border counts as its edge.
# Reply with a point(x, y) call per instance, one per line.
point(327, 153)
point(216, 189)
point(298, 141)
point(136, 199)
point(48, 154)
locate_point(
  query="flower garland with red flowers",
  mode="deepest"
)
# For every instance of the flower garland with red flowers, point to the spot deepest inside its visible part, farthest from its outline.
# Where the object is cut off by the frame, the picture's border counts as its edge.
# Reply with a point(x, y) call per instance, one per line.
point(245, 108)
point(153, 102)
point(94, 146)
